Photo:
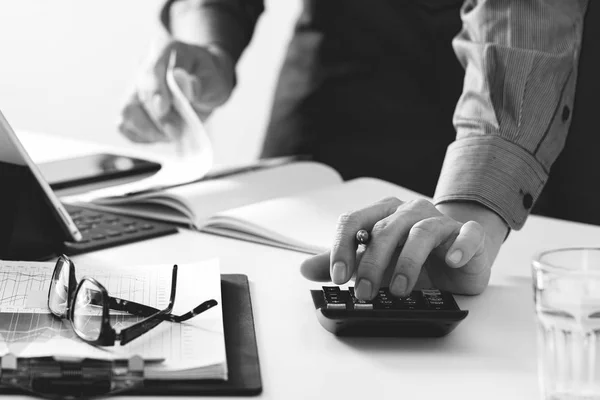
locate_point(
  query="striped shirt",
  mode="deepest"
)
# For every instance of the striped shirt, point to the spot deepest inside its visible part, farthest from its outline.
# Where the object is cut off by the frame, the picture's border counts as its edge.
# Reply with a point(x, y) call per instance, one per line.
point(520, 59)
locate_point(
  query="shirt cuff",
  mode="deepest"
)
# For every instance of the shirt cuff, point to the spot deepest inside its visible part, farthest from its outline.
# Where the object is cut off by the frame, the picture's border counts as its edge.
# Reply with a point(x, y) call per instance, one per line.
point(493, 172)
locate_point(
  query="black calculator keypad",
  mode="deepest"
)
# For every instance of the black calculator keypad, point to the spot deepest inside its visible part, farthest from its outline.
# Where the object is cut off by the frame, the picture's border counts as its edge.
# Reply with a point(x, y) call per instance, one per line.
point(424, 299)
point(334, 297)
point(424, 313)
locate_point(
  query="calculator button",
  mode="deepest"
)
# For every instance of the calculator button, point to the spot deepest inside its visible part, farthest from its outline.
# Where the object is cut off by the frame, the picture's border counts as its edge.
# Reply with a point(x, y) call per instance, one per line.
point(333, 298)
point(359, 304)
point(412, 302)
point(332, 293)
point(336, 306)
point(433, 298)
point(384, 306)
point(384, 303)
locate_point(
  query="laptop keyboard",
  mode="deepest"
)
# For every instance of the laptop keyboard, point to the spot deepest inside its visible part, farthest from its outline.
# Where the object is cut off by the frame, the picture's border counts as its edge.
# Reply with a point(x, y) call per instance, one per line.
point(101, 230)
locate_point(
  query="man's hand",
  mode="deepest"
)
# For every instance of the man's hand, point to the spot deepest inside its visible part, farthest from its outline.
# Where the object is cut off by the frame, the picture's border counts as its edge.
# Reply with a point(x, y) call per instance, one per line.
point(453, 245)
point(149, 115)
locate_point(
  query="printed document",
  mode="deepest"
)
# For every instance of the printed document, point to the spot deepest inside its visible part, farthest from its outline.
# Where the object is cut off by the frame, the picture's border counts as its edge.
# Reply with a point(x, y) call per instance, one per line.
point(194, 349)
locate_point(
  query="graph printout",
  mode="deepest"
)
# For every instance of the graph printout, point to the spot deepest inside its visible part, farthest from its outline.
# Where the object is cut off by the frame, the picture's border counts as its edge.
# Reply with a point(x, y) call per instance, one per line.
point(28, 329)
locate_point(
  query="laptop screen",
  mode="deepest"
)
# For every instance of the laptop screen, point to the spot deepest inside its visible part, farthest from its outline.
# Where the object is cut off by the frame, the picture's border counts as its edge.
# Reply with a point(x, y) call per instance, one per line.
point(25, 193)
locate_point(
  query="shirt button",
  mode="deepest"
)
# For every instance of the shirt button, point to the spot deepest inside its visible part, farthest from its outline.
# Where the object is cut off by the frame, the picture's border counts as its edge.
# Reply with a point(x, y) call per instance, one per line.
point(527, 201)
point(566, 113)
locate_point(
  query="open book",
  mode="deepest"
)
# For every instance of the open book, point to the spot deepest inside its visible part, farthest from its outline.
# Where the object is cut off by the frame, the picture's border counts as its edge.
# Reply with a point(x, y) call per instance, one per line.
point(294, 206)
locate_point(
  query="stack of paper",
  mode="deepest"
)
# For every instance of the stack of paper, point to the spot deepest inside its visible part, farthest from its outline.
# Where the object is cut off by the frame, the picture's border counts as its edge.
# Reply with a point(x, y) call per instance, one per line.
point(194, 349)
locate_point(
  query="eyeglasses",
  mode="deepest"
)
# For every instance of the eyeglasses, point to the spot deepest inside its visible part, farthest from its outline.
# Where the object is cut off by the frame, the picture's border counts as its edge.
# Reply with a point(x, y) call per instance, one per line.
point(87, 306)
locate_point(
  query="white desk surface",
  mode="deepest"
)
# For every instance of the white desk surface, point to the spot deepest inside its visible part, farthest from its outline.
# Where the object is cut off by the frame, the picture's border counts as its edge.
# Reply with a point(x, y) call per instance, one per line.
point(491, 354)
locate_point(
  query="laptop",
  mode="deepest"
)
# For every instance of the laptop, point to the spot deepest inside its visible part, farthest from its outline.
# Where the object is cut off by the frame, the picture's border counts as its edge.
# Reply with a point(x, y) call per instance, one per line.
point(35, 225)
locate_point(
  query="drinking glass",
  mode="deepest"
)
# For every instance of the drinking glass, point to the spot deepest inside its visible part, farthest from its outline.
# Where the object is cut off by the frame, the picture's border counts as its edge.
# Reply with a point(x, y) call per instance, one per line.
point(567, 305)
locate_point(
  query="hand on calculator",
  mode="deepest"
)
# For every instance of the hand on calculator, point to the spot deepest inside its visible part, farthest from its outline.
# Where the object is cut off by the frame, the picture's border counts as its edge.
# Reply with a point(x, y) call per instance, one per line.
point(409, 243)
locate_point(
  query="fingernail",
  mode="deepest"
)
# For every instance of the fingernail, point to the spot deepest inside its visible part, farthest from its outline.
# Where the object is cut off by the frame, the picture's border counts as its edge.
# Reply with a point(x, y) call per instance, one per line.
point(399, 285)
point(456, 256)
point(339, 272)
point(363, 289)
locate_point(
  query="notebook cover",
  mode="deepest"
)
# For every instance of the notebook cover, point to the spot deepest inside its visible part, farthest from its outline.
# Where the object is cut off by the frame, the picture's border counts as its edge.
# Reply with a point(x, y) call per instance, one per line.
point(240, 343)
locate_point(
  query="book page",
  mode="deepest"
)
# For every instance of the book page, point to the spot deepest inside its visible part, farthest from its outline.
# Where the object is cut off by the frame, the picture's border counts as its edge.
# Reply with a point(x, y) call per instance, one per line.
point(223, 194)
point(305, 222)
point(204, 199)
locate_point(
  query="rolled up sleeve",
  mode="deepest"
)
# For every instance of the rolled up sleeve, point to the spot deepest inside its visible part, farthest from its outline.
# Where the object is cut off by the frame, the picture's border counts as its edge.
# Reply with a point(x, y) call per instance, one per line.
point(512, 119)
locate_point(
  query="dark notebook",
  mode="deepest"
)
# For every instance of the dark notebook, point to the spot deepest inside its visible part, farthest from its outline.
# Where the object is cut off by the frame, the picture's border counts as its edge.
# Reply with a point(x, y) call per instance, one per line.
point(240, 343)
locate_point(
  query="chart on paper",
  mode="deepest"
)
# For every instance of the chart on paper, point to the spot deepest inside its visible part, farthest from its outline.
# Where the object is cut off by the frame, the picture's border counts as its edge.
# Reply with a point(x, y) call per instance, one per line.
point(24, 314)
point(25, 318)
point(24, 286)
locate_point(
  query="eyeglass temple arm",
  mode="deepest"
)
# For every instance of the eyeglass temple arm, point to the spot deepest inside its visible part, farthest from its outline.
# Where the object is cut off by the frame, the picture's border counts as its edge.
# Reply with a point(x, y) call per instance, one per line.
point(142, 310)
point(208, 304)
point(139, 328)
point(131, 307)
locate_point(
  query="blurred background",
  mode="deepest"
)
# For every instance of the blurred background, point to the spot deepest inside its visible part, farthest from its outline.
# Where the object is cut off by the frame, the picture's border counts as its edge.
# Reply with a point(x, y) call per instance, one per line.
point(68, 65)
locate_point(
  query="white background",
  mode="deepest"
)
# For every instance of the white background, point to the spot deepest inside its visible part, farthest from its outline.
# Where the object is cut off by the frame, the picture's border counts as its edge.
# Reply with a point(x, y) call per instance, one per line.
point(67, 66)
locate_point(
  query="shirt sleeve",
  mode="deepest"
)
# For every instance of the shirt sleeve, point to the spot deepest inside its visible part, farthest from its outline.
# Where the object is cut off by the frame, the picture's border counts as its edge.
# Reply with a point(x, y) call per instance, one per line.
point(228, 23)
point(512, 119)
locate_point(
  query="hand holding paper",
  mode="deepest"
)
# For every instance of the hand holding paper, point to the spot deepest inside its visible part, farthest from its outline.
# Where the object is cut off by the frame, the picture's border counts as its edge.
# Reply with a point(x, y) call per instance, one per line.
point(192, 140)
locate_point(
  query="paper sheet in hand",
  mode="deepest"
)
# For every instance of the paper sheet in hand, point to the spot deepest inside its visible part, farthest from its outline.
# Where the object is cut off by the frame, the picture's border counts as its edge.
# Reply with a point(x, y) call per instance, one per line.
point(194, 147)
point(194, 349)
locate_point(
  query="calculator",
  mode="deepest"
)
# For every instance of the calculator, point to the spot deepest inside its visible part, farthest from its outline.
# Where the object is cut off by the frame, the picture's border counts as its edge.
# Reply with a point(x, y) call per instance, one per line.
point(425, 313)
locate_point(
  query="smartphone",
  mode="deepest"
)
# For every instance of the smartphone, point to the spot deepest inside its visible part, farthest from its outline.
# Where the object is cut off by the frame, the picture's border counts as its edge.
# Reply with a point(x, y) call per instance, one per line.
point(93, 169)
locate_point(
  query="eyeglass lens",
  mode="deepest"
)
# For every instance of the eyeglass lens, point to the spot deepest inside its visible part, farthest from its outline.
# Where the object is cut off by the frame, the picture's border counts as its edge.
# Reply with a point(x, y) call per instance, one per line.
point(59, 289)
point(87, 311)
